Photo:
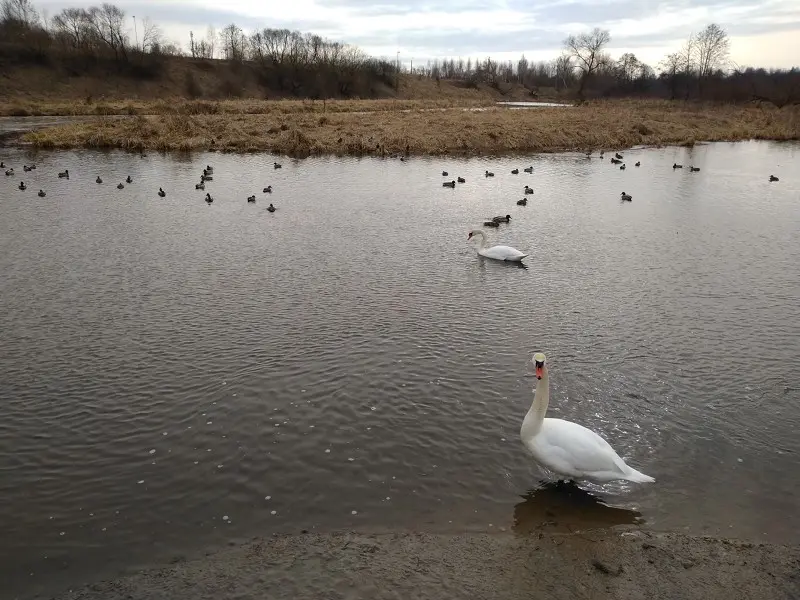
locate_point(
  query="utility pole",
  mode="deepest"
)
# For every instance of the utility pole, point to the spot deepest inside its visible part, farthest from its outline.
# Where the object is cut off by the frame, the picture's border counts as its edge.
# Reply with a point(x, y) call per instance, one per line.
point(397, 73)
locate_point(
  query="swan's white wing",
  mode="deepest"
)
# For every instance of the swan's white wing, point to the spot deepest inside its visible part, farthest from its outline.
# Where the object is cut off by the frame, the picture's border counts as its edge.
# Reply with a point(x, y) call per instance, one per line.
point(503, 253)
point(574, 449)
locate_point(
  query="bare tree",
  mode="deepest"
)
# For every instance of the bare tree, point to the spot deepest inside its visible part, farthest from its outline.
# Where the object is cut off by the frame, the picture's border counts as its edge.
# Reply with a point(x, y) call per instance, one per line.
point(670, 68)
point(563, 70)
point(211, 39)
point(152, 35)
point(108, 24)
point(19, 12)
point(713, 50)
point(587, 50)
point(71, 28)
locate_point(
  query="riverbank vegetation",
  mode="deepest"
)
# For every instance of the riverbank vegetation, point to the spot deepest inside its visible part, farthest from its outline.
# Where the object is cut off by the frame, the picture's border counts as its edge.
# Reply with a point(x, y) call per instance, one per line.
point(373, 129)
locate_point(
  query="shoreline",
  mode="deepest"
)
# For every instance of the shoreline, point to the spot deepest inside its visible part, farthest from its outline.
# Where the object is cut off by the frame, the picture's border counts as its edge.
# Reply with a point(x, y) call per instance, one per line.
point(592, 564)
point(416, 128)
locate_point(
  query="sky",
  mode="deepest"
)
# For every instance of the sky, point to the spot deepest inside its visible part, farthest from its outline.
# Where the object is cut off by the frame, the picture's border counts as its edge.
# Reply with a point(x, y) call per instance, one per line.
point(763, 33)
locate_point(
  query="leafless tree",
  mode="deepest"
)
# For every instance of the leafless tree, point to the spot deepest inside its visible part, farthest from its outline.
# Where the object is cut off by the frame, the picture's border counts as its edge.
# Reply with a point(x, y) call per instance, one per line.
point(671, 66)
point(587, 50)
point(71, 27)
point(152, 36)
point(712, 50)
point(21, 13)
point(211, 40)
point(563, 70)
point(108, 24)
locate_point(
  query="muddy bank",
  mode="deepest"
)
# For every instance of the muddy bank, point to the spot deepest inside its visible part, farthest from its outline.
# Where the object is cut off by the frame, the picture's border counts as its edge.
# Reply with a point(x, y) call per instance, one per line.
point(351, 565)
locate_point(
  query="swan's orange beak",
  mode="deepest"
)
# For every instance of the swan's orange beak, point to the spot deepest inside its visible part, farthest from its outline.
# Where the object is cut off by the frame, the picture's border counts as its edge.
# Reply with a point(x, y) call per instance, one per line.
point(539, 371)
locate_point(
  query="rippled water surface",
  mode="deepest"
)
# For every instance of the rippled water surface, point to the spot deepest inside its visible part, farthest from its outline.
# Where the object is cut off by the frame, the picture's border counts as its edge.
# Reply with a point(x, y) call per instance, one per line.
point(176, 375)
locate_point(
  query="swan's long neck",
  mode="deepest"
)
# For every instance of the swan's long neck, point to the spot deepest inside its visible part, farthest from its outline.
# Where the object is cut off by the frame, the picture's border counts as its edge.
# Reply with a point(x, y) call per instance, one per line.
point(483, 239)
point(535, 417)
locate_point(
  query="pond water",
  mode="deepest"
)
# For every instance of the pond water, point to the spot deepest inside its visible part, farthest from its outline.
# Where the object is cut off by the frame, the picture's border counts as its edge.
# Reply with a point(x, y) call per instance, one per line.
point(176, 376)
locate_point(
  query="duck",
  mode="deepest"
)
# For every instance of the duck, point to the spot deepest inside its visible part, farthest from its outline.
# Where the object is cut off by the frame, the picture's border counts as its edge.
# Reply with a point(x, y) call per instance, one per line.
point(569, 449)
point(450, 184)
point(626, 197)
point(277, 165)
point(9, 172)
point(205, 177)
point(26, 168)
point(251, 198)
point(161, 192)
point(64, 174)
point(622, 167)
point(22, 186)
point(42, 194)
point(638, 164)
point(502, 219)
point(98, 180)
point(491, 224)
point(676, 166)
point(523, 202)
point(268, 189)
point(461, 180)
point(618, 155)
point(271, 208)
point(2, 165)
point(210, 169)
point(771, 178)
point(528, 189)
point(488, 174)
point(602, 152)
point(528, 169)
point(120, 186)
point(444, 173)
point(515, 171)
point(693, 169)
point(206, 172)
point(615, 161)
point(128, 179)
point(209, 199)
point(200, 186)
point(504, 253)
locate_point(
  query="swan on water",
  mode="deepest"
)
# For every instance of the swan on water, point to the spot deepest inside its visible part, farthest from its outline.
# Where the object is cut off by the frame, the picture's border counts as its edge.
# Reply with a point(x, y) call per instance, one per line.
point(567, 448)
point(506, 253)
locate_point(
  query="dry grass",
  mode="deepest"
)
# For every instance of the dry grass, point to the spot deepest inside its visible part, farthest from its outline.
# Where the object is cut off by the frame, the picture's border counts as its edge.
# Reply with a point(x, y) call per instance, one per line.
point(374, 127)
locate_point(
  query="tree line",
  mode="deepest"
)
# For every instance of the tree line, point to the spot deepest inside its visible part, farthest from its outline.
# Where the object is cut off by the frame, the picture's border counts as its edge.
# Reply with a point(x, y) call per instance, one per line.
point(700, 70)
point(308, 65)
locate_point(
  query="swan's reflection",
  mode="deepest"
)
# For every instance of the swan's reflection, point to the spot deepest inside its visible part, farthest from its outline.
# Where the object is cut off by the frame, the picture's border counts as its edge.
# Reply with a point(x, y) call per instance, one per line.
point(483, 261)
point(564, 507)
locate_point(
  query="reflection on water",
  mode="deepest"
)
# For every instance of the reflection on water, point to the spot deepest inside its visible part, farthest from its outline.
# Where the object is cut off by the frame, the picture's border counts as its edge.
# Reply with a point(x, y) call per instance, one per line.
point(563, 507)
point(350, 362)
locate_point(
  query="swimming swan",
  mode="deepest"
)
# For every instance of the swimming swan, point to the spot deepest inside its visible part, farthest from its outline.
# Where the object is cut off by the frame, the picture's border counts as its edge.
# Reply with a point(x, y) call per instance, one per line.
point(506, 253)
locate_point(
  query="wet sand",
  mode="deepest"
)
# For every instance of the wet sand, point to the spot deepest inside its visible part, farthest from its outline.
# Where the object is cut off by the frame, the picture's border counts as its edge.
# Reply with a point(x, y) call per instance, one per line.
point(633, 565)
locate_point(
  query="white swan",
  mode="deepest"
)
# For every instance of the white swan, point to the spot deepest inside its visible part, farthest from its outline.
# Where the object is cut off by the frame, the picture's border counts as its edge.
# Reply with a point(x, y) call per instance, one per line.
point(568, 448)
point(506, 253)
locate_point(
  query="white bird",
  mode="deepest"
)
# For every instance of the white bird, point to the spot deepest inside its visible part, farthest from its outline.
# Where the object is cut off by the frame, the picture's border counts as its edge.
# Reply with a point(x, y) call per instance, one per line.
point(567, 448)
point(506, 253)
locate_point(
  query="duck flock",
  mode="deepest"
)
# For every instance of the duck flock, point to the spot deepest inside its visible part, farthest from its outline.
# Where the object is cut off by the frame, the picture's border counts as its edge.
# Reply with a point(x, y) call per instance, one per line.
point(207, 175)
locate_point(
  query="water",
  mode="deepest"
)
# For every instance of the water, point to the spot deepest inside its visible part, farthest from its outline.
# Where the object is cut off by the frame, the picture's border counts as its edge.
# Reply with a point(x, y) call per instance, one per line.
point(349, 362)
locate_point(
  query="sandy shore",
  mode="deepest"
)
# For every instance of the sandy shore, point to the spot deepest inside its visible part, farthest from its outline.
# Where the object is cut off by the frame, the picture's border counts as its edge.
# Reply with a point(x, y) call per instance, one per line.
point(481, 566)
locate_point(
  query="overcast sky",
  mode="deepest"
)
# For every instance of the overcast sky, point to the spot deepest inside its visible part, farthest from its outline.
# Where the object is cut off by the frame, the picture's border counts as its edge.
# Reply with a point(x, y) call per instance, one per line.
point(762, 33)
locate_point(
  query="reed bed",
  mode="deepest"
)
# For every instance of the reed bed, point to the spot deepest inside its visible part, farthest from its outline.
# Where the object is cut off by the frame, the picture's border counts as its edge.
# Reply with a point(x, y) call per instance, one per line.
point(427, 128)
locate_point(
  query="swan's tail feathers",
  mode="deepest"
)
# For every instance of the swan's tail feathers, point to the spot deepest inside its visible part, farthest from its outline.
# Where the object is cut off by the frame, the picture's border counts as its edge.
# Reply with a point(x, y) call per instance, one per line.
point(637, 476)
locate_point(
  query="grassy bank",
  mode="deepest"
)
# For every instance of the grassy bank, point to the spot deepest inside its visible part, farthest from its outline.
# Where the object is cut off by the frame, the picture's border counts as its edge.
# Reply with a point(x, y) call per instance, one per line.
point(596, 565)
point(384, 127)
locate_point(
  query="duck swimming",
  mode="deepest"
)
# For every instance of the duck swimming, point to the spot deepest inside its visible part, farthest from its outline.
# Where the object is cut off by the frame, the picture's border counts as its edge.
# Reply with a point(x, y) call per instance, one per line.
point(515, 171)
point(98, 180)
point(64, 173)
point(251, 198)
point(42, 194)
point(209, 199)
point(771, 178)
point(120, 186)
point(488, 174)
point(128, 179)
point(450, 184)
point(626, 197)
point(502, 219)
point(271, 208)
point(161, 192)
point(200, 186)
point(528, 190)
point(268, 189)
point(523, 202)
point(22, 186)
point(461, 180)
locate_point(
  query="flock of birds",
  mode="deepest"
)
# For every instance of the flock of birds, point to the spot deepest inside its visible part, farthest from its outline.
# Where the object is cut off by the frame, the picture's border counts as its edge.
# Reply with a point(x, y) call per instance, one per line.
point(509, 254)
point(207, 175)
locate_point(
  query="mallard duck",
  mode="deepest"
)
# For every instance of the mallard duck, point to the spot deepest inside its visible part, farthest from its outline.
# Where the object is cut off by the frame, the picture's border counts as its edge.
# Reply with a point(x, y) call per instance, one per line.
point(515, 171)
point(693, 169)
point(210, 169)
point(26, 168)
point(615, 161)
point(277, 165)
point(618, 155)
point(98, 180)
point(42, 194)
point(251, 198)
point(268, 189)
point(461, 180)
point(676, 166)
point(444, 173)
point(200, 186)
point(209, 199)
point(638, 164)
point(523, 202)
point(120, 186)
point(528, 169)
point(128, 179)
point(206, 178)
point(502, 219)
point(64, 173)
point(22, 185)
point(488, 174)
point(622, 167)
point(271, 208)
point(161, 192)
point(491, 224)
point(626, 197)
point(450, 184)
point(773, 178)
point(528, 189)
point(9, 172)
